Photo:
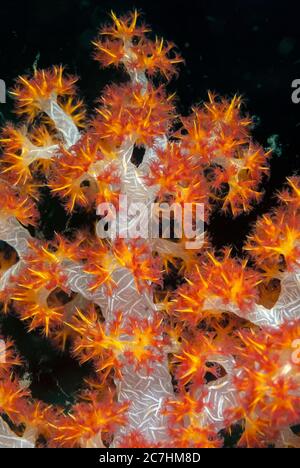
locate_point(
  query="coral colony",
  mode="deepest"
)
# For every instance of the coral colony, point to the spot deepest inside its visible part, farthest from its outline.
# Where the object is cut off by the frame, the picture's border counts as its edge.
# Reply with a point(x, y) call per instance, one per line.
point(186, 365)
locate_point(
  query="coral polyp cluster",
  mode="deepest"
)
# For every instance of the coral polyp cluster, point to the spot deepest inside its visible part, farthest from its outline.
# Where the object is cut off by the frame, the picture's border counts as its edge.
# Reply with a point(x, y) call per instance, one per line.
point(210, 356)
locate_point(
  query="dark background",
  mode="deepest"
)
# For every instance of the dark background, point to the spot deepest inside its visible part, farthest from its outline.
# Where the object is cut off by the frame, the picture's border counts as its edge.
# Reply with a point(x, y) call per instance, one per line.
point(250, 47)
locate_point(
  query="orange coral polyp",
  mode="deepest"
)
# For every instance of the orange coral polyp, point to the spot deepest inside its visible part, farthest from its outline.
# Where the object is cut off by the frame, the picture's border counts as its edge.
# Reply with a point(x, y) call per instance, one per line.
point(190, 364)
point(75, 109)
point(136, 256)
point(275, 237)
point(14, 204)
point(12, 399)
point(187, 406)
point(125, 27)
point(109, 52)
point(218, 137)
point(129, 110)
point(88, 420)
point(195, 436)
point(232, 281)
point(80, 176)
point(145, 343)
point(139, 342)
point(8, 357)
point(32, 93)
point(54, 252)
point(21, 157)
point(126, 44)
point(216, 127)
point(177, 175)
point(93, 342)
point(30, 293)
point(136, 440)
point(156, 57)
point(291, 195)
point(221, 281)
point(270, 389)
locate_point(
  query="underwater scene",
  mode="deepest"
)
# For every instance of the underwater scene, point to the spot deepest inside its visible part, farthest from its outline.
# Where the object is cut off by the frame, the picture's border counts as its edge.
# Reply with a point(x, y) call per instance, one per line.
point(150, 226)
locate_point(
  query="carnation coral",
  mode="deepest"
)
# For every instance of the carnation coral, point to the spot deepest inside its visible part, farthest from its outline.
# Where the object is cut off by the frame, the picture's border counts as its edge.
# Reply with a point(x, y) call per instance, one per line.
point(175, 363)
